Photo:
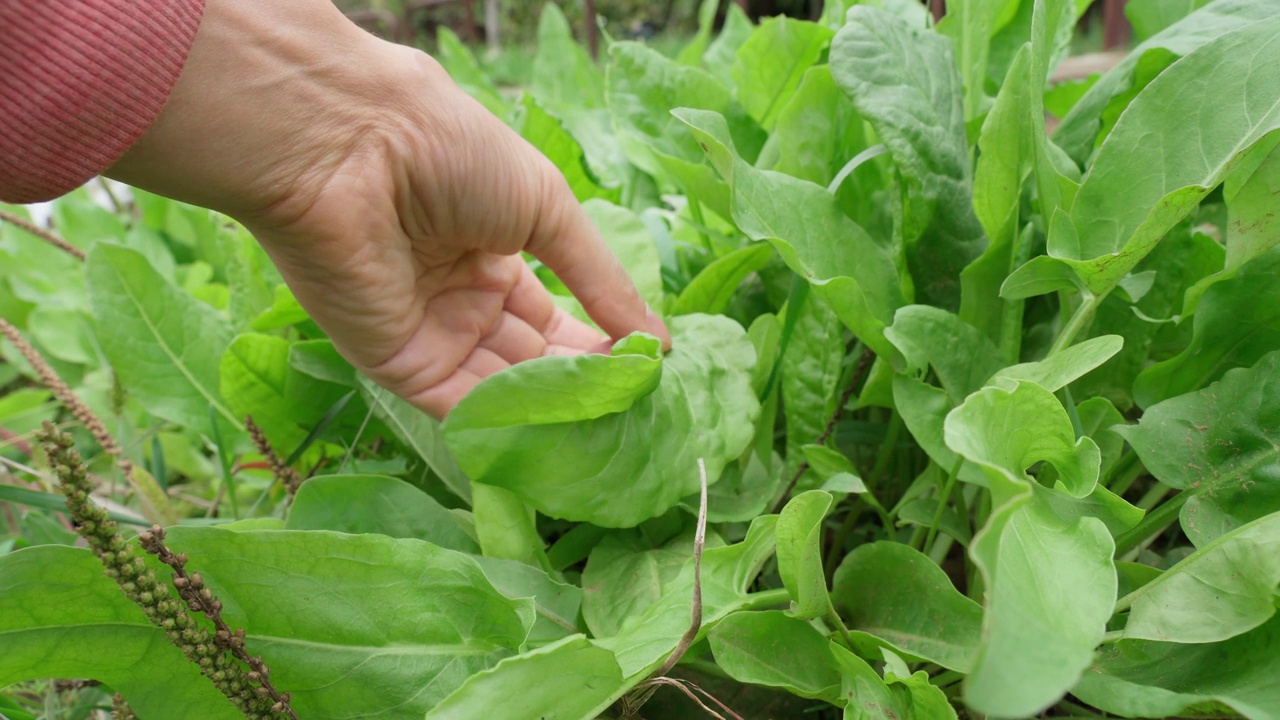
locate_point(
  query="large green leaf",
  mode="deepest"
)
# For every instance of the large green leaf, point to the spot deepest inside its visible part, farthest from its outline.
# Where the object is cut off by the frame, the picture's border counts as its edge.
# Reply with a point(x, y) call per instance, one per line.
point(1237, 322)
point(1050, 580)
point(1078, 130)
point(817, 132)
point(806, 226)
point(570, 680)
point(164, 345)
point(61, 617)
point(358, 625)
point(799, 551)
point(771, 63)
point(1139, 678)
point(626, 448)
point(1226, 588)
point(903, 80)
point(1219, 444)
point(375, 504)
point(773, 649)
point(1224, 105)
point(626, 574)
point(900, 596)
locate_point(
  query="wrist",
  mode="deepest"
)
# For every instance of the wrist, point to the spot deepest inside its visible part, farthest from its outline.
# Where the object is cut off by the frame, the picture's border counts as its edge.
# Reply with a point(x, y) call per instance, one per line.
point(270, 94)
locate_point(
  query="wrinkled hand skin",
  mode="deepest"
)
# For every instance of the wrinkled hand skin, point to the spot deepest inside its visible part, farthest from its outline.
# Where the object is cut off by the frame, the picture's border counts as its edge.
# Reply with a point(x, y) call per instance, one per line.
point(394, 205)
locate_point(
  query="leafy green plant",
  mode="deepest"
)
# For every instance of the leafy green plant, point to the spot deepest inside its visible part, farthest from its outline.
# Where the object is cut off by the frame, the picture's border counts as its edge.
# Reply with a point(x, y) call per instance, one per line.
point(960, 419)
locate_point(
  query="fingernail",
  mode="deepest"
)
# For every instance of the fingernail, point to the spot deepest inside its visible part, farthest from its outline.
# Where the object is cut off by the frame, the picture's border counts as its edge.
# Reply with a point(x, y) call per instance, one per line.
point(656, 327)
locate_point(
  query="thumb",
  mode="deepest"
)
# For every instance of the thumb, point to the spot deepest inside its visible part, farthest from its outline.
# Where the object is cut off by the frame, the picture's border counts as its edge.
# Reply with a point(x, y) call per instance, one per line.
point(566, 241)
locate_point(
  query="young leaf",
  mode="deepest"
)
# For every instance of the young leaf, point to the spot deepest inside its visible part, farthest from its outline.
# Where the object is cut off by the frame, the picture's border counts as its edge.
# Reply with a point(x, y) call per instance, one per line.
point(375, 504)
point(1220, 445)
point(723, 51)
point(818, 130)
point(712, 289)
point(506, 527)
point(1065, 367)
point(401, 658)
point(959, 353)
point(800, 553)
point(900, 596)
point(610, 439)
point(815, 238)
point(772, 61)
point(164, 345)
point(1161, 680)
point(903, 80)
point(61, 617)
point(547, 134)
point(774, 649)
point(1226, 588)
point(563, 73)
point(570, 679)
point(1036, 641)
point(811, 370)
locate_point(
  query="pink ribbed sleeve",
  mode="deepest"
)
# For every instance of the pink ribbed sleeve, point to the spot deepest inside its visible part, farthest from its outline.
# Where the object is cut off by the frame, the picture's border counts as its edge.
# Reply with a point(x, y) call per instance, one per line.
point(80, 81)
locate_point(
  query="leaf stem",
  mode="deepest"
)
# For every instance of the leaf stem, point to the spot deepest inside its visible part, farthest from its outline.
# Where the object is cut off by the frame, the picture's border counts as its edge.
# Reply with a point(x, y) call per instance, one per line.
point(766, 599)
point(1153, 524)
point(1123, 473)
point(943, 499)
point(1079, 319)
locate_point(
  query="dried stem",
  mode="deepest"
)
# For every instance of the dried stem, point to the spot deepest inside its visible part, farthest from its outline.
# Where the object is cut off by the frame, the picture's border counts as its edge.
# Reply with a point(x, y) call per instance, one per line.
point(215, 654)
point(860, 372)
point(290, 478)
point(699, 541)
point(44, 235)
point(9, 438)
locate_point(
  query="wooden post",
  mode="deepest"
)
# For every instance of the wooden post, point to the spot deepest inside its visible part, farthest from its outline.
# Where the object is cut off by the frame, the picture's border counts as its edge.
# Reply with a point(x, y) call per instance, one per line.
point(491, 32)
point(745, 6)
point(939, 8)
point(1116, 25)
point(593, 40)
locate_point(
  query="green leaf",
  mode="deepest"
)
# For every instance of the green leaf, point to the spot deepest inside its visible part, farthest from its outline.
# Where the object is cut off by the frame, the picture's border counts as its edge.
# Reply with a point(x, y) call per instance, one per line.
point(727, 572)
point(556, 603)
point(418, 432)
point(902, 597)
point(691, 54)
point(774, 649)
point(834, 469)
point(970, 25)
point(164, 345)
point(546, 134)
point(61, 617)
point(722, 54)
point(1078, 130)
point(903, 80)
point(1064, 367)
point(256, 380)
point(1226, 588)
point(959, 353)
point(619, 461)
point(434, 620)
point(564, 75)
point(811, 370)
point(375, 504)
point(1160, 680)
point(817, 131)
point(285, 311)
point(1252, 228)
point(1220, 445)
point(771, 63)
point(1119, 215)
point(868, 697)
point(569, 680)
point(1149, 17)
point(1006, 153)
point(507, 527)
point(711, 290)
point(1050, 579)
point(800, 553)
point(625, 575)
point(805, 224)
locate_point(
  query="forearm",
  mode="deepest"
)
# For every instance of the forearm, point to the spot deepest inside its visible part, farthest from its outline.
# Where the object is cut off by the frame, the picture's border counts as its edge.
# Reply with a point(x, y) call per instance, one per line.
point(80, 82)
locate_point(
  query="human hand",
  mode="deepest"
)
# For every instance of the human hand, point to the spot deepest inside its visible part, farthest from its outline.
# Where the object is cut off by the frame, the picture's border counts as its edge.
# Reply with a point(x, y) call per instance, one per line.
point(394, 205)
